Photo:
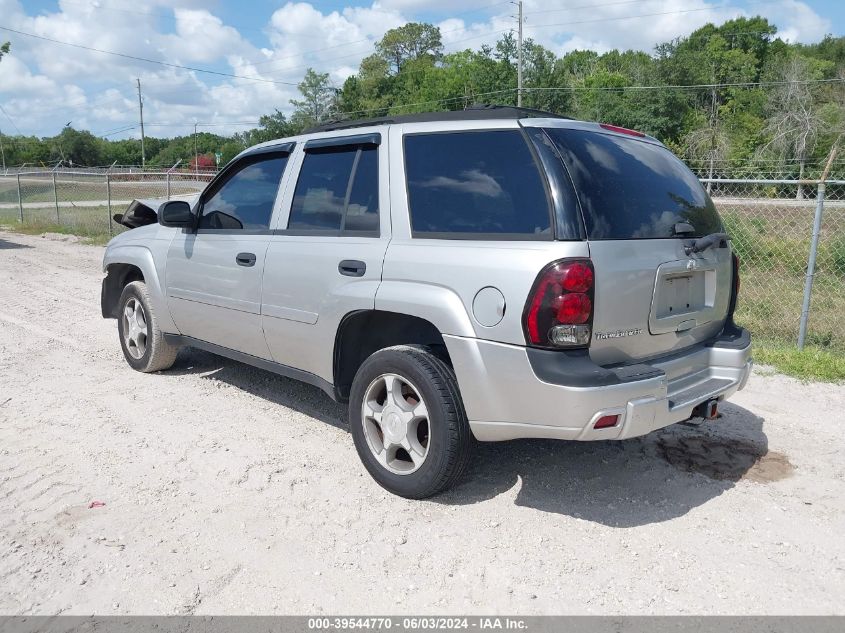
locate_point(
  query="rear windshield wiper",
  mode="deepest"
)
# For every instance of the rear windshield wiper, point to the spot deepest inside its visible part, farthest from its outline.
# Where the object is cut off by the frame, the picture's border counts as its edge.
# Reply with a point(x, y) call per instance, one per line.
point(700, 244)
point(708, 241)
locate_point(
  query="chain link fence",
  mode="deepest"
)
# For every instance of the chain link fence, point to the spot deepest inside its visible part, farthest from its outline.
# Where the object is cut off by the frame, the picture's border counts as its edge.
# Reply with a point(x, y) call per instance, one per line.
point(773, 227)
point(770, 219)
point(83, 201)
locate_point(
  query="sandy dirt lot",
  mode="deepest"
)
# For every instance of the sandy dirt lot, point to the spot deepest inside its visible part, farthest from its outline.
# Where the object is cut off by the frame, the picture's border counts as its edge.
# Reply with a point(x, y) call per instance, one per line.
point(231, 490)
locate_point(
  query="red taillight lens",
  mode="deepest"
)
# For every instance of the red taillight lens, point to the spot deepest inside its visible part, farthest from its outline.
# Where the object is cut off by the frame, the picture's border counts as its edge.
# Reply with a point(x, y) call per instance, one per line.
point(574, 308)
point(560, 307)
point(578, 278)
point(621, 130)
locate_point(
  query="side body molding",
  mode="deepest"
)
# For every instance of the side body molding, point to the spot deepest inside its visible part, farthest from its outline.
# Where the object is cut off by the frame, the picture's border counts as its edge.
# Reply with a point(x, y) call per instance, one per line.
point(142, 257)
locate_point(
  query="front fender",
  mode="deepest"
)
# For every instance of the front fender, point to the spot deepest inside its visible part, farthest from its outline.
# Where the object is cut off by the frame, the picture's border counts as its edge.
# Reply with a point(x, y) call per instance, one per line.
point(438, 305)
point(141, 257)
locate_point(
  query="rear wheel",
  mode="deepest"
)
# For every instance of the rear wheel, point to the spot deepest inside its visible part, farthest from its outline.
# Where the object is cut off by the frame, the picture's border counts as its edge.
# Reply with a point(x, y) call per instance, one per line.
point(142, 342)
point(408, 422)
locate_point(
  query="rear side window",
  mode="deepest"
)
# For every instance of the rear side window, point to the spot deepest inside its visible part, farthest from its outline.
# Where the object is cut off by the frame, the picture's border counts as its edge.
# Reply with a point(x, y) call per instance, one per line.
point(337, 192)
point(245, 200)
point(475, 184)
point(631, 189)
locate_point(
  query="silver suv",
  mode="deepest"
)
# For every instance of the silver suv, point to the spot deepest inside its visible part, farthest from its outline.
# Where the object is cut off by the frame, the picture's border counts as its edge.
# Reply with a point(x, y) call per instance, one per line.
point(494, 274)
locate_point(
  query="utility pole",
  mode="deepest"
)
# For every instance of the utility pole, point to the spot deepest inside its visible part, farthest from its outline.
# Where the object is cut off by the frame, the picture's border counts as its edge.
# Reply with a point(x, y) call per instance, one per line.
point(519, 59)
point(196, 152)
point(141, 110)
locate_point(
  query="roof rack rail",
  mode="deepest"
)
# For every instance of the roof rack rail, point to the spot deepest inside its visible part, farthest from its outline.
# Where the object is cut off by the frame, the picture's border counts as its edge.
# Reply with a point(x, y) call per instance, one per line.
point(473, 112)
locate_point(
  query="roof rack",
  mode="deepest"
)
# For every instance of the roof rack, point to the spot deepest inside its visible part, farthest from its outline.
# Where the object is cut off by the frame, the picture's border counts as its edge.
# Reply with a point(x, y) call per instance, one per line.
point(474, 112)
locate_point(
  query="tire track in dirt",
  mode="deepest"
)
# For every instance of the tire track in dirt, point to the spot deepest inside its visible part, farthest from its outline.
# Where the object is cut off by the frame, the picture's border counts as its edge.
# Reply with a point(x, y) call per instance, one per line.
point(228, 489)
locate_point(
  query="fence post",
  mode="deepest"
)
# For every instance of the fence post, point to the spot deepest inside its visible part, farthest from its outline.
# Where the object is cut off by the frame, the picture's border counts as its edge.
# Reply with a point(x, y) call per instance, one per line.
point(56, 197)
point(108, 193)
point(168, 185)
point(811, 266)
point(20, 200)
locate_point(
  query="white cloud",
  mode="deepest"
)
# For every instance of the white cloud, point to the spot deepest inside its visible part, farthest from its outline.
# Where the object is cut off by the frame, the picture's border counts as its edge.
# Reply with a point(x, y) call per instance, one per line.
point(800, 23)
point(202, 37)
point(344, 38)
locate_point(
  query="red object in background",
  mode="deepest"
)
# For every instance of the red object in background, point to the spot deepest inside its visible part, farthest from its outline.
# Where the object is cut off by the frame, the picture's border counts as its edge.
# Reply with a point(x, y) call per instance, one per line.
point(203, 162)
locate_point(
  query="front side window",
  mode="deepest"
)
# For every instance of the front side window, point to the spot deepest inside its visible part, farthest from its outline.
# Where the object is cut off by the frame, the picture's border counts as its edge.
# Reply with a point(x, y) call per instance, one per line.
point(337, 192)
point(245, 200)
point(469, 184)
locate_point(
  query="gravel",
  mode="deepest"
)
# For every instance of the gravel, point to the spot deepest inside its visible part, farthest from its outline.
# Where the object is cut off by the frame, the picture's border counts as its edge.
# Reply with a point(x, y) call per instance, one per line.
point(224, 489)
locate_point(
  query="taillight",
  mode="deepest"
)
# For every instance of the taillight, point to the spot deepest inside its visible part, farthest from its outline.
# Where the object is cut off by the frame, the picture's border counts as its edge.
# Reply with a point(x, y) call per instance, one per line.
point(559, 311)
point(621, 130)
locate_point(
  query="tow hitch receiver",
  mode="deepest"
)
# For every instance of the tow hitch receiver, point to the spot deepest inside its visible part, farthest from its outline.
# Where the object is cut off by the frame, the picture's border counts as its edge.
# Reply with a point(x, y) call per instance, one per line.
point(708, 410)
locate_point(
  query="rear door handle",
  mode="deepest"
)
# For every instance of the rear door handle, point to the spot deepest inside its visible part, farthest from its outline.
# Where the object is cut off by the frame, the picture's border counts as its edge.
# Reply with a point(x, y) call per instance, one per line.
point(245, 259)
point(352, 268)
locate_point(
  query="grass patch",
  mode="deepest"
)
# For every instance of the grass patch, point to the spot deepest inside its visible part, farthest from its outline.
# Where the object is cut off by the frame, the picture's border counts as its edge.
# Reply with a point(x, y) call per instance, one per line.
point(813, 363)
point(89, 223)
point(98, 238)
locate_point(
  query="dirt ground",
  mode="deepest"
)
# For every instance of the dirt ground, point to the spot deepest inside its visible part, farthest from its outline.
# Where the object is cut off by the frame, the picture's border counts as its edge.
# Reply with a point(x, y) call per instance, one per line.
point(230, 490)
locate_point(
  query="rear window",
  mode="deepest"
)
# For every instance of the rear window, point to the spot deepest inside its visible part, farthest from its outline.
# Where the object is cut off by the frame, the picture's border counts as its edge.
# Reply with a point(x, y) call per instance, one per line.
point(631, 189)
point(475, 185)
point(337, 191)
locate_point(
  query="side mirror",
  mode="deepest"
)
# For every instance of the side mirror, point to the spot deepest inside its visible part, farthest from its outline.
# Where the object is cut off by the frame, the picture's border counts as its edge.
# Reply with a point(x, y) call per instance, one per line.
point(176, 213)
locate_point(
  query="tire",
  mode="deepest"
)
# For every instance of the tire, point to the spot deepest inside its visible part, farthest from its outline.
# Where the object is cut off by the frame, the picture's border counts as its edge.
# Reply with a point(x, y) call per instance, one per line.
point(143, 346)
point(440, 442)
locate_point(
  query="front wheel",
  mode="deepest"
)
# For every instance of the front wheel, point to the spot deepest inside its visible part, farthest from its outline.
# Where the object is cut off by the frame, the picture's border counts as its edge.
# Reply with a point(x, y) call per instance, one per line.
point(141, 339)
point(408, 421)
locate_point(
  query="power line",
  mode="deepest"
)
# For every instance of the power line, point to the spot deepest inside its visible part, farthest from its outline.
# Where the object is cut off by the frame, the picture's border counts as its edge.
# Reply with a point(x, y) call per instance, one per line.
point(737, 84)
point(366, 39)
point(118, 131)
point(409, 72)
point(148, 61)
point(11, 120)
point(422, 103)
point(632, 17)
point(589, 6)
point(361, 53)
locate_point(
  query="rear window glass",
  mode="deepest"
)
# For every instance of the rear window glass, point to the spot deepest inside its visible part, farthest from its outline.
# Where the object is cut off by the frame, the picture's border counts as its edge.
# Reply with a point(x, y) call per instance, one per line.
point(631, 189)
point(472, 184)
point(337, 190)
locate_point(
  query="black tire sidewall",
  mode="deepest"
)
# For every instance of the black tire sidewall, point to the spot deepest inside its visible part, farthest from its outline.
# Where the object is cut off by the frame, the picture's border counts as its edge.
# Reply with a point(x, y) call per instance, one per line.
point(131, 292)
point(422, 482)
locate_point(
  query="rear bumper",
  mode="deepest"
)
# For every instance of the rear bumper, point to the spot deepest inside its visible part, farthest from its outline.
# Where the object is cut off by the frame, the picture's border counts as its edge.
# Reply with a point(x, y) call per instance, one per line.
point(511, 392)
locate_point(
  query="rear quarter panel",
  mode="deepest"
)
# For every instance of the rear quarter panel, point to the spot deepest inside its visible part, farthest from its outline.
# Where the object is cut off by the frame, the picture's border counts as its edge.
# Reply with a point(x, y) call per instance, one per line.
point(438, 279)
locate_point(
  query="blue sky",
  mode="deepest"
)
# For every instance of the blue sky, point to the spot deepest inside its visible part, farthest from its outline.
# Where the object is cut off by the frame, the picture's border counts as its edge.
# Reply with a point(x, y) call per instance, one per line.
point(43, 85)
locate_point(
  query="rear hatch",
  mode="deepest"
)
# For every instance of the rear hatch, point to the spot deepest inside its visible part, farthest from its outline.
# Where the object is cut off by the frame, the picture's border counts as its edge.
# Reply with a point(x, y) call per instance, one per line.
point(641, 206)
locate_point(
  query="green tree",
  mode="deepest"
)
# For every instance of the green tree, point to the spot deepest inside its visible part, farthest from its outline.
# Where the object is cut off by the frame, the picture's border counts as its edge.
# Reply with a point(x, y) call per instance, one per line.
point(794, 123)
point(229, 150)
point(77, 148)
point(318, 97)
point(410, 41)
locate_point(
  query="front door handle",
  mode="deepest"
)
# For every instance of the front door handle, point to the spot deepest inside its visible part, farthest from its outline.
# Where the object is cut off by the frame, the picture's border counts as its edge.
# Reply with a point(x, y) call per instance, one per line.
point(352, 268)
point(245, 259)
